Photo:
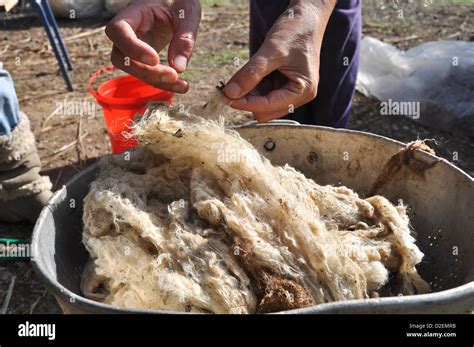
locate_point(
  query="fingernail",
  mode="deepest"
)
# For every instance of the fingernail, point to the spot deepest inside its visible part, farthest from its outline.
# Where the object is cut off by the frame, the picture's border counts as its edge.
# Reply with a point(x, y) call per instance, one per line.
point(176, 89)
point(148, 60)
point(232, 90)
point(169, 78)
point(181, 62)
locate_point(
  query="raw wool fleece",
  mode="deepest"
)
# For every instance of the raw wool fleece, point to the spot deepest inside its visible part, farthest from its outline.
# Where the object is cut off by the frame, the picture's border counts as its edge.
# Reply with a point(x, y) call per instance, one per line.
point(199, 221)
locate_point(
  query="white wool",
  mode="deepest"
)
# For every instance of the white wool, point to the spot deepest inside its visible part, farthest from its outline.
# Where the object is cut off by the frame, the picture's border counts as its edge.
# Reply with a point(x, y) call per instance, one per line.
point(199, 221)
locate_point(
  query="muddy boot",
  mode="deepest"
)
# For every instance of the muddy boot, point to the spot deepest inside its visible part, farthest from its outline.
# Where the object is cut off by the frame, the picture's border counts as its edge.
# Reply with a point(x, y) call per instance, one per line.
point(23, 192)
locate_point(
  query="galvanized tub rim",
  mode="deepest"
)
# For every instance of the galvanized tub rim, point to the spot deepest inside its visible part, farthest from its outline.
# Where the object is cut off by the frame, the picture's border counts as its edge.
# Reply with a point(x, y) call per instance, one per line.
point(358, 306)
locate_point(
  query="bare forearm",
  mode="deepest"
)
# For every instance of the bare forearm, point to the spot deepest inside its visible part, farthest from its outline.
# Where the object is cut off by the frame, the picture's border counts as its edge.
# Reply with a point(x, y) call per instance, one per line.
point(320, 10)
point(327, 5)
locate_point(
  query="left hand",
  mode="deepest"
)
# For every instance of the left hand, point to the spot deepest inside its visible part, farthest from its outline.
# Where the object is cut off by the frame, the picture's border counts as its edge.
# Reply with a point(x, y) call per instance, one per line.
point(284, 73)
point(142, 29)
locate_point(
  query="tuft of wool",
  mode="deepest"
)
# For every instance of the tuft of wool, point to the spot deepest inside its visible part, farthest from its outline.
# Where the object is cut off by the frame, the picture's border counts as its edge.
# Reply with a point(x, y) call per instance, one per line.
point(198, 221)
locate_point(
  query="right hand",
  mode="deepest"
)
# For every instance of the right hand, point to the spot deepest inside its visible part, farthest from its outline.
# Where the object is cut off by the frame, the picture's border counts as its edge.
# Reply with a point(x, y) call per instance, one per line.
point(141, 30)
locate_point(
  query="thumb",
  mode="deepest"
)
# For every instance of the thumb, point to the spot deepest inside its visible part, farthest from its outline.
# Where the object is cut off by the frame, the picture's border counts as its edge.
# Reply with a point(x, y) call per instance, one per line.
point(251, 74)
point(184, 37)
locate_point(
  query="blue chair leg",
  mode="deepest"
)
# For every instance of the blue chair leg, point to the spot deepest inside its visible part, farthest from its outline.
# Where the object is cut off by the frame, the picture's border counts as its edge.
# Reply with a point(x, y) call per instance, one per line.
point(54, 24)
point(46, 24)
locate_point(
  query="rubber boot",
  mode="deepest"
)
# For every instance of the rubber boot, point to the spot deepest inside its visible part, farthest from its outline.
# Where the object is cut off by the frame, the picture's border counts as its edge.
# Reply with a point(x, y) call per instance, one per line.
point(23, 191)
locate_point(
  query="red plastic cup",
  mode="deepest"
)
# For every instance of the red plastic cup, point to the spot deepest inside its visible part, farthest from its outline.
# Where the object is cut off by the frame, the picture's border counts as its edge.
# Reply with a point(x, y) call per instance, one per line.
point(121, 99)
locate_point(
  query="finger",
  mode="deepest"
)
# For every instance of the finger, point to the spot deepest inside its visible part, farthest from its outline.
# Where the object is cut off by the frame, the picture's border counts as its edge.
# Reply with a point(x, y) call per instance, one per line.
point(292, 94)
point(267, 117)
point(122, 32)
point(251, 74)
point(184, 37)
point(159, 76)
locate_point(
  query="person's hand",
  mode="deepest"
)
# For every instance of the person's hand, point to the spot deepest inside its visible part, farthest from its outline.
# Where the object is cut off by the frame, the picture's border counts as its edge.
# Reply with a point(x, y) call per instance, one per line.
point(284, 73)
point(141, 30)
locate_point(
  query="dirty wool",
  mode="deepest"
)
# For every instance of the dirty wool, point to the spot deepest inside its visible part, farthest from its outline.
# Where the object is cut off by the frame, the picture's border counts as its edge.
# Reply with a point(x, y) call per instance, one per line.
point(196, 220)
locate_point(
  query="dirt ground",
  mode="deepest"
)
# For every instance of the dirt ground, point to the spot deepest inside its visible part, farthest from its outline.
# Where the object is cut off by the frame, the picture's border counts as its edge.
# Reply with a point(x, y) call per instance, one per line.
point(68, 142)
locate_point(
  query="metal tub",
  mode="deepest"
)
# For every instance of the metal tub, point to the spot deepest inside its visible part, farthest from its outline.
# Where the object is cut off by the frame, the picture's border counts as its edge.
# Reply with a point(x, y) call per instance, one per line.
point(440, 197)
